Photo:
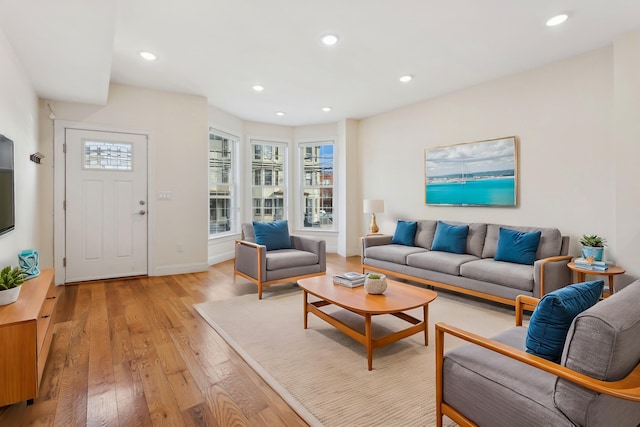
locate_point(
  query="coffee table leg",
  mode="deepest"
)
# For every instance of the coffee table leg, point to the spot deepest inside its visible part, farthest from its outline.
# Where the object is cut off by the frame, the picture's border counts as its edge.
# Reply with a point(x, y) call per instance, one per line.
point(369, 338)
point(425, 316)
point(304, 300)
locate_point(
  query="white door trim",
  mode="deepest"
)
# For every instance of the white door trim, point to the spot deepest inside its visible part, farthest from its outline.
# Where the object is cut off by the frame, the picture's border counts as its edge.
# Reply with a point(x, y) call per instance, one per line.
point(59, 225)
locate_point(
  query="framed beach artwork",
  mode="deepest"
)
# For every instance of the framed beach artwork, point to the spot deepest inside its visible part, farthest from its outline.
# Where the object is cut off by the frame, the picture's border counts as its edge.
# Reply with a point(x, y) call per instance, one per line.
point(483, 173)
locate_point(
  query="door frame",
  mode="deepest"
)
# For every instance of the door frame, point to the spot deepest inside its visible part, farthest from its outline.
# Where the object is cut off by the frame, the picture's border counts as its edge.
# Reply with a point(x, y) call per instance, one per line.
point(59, 191)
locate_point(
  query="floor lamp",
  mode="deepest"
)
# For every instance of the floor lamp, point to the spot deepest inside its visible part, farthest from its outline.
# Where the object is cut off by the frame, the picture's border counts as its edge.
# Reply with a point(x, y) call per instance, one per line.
point(373, 206)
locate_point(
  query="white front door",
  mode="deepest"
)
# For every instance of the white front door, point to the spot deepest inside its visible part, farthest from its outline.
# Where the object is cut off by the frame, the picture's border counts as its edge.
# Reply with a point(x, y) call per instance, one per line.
point(106, 205)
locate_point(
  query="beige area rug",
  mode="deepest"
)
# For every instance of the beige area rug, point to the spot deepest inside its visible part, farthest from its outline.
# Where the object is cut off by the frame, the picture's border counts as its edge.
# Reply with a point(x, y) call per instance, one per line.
point(323, 374)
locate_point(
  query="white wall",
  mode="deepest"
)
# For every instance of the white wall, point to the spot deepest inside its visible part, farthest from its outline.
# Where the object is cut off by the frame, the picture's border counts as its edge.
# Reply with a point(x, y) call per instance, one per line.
point(18, 122)
point(624, 156)
point(562, 115)
point(177, 124)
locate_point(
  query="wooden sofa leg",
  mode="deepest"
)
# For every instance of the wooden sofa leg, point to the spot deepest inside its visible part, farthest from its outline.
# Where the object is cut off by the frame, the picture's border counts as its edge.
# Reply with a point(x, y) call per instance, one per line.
point(259, 290)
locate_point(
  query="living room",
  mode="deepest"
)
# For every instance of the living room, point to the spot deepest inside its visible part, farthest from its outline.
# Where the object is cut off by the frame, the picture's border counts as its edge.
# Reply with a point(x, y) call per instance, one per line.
point(575, 119)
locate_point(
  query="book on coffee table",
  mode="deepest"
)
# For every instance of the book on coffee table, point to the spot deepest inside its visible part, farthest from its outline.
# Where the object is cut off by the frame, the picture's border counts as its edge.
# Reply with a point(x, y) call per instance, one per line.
point(350, 279)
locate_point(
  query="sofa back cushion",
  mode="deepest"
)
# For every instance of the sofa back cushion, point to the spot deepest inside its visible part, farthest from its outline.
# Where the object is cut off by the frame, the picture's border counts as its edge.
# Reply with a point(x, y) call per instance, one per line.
point(424, 233)
point(602, 343)
point(550, 240)
point(247, 232)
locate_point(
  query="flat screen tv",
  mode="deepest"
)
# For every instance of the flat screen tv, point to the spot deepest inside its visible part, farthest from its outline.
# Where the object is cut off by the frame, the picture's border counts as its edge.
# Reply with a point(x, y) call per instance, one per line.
point(7, 195)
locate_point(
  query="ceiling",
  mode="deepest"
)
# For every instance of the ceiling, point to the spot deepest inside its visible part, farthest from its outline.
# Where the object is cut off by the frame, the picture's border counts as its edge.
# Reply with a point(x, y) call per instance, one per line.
point(72, 49)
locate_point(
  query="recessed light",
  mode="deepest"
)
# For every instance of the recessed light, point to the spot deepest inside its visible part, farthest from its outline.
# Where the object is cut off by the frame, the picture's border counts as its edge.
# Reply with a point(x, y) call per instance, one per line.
point(557, 20)
point(326, 109)
point(280, 113)
point(407, 78)
point(329, 39)
point(257, 88)
point(148, 56)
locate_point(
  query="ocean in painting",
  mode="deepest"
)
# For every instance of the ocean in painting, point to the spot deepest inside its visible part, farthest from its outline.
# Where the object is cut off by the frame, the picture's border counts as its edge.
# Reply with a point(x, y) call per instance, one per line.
point(490, 191)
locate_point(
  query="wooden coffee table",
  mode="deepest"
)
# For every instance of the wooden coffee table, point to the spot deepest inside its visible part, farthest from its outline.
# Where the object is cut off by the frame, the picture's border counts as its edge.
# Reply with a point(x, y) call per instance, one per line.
point(397, 299)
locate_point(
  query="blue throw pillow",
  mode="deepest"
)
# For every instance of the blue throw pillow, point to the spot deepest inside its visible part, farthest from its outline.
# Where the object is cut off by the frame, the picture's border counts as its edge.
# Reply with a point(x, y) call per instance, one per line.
point(450, 238)
point(516, 246)
point(405, 233)
point(273, 235)
point(550, 321)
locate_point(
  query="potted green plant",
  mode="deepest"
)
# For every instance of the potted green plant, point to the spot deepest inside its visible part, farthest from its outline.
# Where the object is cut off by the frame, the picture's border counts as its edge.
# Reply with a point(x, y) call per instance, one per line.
point(375, 283)
point(11, 280)
point(593, 246)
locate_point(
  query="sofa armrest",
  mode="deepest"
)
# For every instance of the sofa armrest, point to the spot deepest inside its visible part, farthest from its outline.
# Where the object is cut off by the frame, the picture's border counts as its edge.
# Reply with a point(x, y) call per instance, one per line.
point(369, 241)
point(550, 274)
point(318, 247)
point(627, 388)
point(251, 259)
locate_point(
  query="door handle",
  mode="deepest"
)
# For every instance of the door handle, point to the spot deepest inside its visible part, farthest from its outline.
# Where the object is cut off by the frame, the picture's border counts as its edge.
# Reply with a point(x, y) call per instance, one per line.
point(141, 212)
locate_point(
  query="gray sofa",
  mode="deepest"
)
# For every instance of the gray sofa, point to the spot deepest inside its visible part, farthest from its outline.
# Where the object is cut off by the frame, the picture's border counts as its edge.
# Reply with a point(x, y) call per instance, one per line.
point(474, 272)
point(494, 382)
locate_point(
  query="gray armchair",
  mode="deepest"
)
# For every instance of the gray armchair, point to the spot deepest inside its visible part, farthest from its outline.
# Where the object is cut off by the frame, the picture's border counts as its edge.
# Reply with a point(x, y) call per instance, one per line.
point(307, 258)
point(494, 382)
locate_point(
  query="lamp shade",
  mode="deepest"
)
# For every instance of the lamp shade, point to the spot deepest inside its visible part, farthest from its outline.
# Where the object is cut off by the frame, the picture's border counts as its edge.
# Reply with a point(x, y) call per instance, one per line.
point(373, 206)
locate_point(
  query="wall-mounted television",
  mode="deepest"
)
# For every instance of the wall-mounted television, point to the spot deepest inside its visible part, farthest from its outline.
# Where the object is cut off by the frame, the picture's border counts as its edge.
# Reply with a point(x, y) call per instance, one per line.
point(7, 194)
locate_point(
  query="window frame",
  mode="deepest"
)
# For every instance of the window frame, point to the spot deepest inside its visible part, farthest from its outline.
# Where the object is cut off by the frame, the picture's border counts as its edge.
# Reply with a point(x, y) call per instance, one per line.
point(232, 184)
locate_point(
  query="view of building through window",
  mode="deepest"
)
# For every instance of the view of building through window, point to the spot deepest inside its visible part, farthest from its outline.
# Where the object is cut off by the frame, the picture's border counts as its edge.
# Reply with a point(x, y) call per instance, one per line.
point(268, 168)
point(317, 184)
point(220, 184)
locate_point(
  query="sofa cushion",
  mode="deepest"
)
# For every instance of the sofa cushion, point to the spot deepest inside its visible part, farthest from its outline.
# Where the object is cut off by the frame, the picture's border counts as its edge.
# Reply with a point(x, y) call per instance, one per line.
point(552, 317)
point(425, 231)
point(392, 253)
point(273, 235)
point(450, 238)
point(477, 381)
point(443, 262)
point(405, 233)
point(603, 344)
point(288, 258)
point(247, 232)
point(509, 274)
point(550, 240)
point(517, 246)
point(475, 238)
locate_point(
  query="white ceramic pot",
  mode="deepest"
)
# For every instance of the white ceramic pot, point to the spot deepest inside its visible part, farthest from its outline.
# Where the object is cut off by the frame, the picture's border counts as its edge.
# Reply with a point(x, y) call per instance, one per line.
point(375, 286)
point(9, 296)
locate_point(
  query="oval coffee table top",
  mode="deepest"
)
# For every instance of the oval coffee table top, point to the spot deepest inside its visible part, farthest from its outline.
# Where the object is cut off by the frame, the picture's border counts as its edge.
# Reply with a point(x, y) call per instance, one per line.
point(397, 298)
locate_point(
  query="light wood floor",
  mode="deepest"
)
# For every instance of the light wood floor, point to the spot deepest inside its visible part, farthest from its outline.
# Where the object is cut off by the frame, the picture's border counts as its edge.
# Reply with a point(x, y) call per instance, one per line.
point(135, 353)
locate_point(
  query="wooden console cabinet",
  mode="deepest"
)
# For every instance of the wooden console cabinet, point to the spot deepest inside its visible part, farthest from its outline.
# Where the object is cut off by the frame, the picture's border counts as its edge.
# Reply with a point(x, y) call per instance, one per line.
point(26, 330)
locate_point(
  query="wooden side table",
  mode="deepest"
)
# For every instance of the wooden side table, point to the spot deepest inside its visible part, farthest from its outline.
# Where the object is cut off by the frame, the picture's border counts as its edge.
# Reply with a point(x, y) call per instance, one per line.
point(613, 270)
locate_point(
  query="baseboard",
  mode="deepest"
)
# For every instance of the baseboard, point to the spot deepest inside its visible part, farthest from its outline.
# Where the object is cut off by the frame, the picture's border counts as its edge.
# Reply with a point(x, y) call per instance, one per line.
point(167, 270)
point(218, 258)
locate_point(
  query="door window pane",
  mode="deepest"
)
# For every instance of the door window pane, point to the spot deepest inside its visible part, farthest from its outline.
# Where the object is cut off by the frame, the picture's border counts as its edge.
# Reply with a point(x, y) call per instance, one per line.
point(106, 155)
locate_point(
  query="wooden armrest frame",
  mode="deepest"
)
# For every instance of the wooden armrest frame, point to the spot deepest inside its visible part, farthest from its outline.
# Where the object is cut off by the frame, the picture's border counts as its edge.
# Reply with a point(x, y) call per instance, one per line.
point(259, 249)
point(545, 261)
point(524, 302)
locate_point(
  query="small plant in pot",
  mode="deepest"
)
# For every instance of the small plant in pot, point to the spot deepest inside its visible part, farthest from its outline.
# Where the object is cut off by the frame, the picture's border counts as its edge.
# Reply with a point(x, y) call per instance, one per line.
point(375, 283)
point(11, 279)
point(593, 246)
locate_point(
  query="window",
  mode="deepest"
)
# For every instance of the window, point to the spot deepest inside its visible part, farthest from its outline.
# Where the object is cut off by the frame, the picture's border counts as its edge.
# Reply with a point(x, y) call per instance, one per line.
point(268, 191)
point(221, 183)
point(107, 155)
point(317, 165)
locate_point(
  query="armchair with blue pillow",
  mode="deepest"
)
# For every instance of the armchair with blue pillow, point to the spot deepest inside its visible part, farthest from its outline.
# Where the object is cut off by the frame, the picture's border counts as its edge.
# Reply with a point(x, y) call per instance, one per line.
point(576, 364)
point(267, 254)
